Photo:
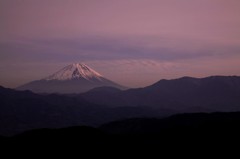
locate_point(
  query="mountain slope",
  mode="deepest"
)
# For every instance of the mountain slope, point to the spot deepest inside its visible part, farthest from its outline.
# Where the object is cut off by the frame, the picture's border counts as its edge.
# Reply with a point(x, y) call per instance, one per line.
point(194, 130)
point(188, 123)
point(75, 71)
point(24, 110)
point(75, 78)
point(215, 93)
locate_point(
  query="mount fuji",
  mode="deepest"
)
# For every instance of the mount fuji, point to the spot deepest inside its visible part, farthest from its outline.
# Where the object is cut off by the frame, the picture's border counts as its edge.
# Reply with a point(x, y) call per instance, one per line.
point(74, 78)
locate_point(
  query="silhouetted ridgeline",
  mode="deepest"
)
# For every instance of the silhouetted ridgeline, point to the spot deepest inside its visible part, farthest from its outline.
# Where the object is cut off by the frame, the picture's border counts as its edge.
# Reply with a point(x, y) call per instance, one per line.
point(188, 128)
point(196, 123)
point(187, 94)
point(24, 110)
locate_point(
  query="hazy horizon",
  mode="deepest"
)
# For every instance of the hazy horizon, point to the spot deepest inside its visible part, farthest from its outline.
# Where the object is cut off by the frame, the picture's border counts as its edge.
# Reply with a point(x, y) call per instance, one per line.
point(134, 86)
point(132, 42)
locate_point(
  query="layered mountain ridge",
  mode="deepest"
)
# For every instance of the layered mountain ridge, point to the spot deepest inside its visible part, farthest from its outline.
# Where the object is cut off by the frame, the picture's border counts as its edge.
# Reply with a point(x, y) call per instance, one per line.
point(186, 94)
point(24, 110)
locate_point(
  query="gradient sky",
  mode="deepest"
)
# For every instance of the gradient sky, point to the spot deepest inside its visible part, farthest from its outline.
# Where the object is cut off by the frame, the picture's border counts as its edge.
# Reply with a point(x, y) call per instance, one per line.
point(132, 42)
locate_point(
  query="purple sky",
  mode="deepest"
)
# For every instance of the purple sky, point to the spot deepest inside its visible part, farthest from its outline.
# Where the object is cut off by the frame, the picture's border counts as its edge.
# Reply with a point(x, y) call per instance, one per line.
point(132, 42)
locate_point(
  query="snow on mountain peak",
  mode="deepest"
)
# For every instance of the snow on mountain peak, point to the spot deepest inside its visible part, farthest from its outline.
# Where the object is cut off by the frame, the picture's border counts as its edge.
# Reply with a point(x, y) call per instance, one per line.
point(75, 71)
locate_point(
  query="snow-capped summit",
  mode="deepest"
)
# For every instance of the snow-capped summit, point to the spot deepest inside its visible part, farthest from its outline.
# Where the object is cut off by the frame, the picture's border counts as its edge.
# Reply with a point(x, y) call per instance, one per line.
point(74, 78)
point(75, 71)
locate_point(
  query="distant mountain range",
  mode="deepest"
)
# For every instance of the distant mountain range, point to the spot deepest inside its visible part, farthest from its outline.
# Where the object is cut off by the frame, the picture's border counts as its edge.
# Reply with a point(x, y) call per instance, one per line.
point(187, 94)
point(74, 78)
point(24, 110)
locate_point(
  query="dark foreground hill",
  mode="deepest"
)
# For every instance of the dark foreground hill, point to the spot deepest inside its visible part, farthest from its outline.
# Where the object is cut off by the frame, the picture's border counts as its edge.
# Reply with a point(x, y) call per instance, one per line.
point(199, 128)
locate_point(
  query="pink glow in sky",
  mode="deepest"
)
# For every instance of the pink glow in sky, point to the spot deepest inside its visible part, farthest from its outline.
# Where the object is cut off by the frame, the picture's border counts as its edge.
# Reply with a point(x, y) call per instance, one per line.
point(144, 40)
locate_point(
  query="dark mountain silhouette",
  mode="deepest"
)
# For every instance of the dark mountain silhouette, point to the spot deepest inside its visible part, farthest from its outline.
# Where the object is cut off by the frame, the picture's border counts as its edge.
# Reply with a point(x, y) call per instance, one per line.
point(187, 94)
point(202, 123)
point(104, 90)
point(83, 134)
point(178, 131)
point(74, 78)
point(24, 110)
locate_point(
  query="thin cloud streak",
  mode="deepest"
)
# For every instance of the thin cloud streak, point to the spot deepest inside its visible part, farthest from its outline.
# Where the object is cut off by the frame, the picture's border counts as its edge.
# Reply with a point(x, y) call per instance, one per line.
point(114, 48)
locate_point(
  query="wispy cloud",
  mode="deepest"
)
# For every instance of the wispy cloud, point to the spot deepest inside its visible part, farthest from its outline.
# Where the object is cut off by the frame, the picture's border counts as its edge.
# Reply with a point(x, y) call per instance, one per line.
point(113, 48)
point(134, 42)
